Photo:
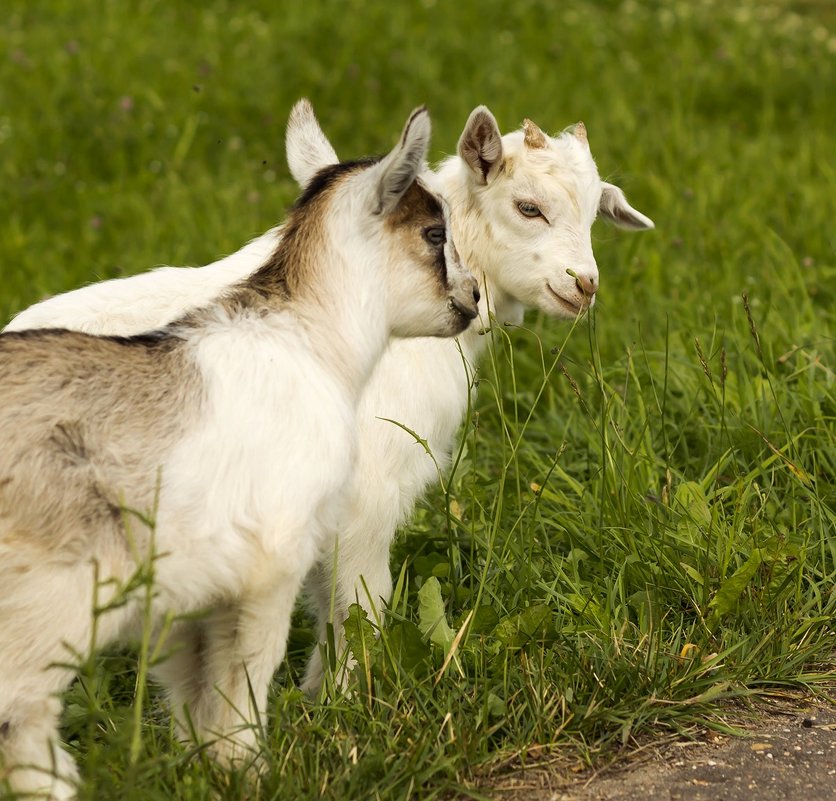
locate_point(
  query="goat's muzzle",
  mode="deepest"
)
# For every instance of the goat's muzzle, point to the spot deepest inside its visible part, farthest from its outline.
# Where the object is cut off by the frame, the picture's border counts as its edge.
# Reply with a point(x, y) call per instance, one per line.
point(465, 309)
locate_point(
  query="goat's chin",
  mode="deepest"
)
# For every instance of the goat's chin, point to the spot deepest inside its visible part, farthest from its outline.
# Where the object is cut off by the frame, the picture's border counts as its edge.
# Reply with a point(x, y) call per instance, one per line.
point(564, 304)
point(457, 324)
point(445, 324)
point(453, 325)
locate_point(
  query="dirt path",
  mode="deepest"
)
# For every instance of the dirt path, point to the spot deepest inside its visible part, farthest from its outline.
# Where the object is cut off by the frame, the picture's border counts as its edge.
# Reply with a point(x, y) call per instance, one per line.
point(789, 754)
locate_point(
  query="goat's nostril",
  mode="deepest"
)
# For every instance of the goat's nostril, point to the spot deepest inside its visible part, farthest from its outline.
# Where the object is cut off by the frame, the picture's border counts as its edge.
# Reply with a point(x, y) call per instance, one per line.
point(586, 285)
point(476, 295)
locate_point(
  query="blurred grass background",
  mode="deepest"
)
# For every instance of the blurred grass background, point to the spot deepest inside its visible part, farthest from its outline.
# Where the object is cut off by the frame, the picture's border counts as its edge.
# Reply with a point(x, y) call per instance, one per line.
point(641, 519)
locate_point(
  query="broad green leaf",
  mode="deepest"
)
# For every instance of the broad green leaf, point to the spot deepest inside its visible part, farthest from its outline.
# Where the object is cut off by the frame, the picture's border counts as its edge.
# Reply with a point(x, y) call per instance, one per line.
point(588, 607)
point(359, 634)
point(725, 600)
point(517, 630)
point(442, 570)
point(692, 572)
point(646, 608)
point(409, 647)
point(691, 499)
point(496, 706)
point(426, 566)
point(485, 620)
point(431, 618)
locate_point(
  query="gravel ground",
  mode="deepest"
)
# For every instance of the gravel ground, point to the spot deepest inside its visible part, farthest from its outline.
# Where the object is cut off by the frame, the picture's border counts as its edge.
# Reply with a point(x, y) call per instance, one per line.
point(788, 754)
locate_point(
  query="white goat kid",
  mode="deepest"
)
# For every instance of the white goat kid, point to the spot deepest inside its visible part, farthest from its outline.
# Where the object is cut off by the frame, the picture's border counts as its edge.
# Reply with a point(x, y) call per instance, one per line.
point(234, 428)
point(523, 206)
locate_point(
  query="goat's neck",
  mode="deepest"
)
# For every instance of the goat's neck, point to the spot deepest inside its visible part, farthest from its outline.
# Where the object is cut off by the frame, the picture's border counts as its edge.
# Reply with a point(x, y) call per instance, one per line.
point(332, 295)
point(345, 317)
point(327, 277)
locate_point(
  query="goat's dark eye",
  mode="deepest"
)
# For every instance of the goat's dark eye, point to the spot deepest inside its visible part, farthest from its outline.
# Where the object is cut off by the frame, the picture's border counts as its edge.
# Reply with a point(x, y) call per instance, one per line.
point(435, 236)
point(529, 209)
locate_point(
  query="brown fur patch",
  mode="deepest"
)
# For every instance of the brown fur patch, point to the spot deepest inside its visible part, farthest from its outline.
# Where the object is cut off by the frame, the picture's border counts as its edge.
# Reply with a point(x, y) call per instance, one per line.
point(86, 423)
point(417, 207)
point(418, 210)
point(290, 267)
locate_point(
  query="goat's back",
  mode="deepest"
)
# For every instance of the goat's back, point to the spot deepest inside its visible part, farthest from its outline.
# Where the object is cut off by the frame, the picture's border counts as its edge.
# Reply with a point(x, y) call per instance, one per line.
point(145, 302)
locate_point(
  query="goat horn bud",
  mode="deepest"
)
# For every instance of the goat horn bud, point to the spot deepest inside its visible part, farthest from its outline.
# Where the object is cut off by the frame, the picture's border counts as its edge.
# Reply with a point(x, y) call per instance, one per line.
point(534, 137)
point(580, 133)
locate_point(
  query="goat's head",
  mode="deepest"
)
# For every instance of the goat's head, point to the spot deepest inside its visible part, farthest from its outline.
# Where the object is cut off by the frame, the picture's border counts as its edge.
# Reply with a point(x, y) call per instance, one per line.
point(429, 292)
point(532, 199)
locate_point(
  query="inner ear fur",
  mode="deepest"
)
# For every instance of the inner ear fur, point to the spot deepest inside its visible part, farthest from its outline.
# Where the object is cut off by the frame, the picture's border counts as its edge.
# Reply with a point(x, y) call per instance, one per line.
point(615, 208)
point(480, 145)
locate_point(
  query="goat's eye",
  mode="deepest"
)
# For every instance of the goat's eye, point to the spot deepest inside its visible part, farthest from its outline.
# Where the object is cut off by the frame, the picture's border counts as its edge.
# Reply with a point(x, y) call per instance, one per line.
point(529, 209)
point(435, 236)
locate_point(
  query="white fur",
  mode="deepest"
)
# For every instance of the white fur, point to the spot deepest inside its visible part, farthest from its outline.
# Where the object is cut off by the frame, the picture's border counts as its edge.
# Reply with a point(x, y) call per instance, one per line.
point(246, 495)
point(520, 262)
point(146, 301)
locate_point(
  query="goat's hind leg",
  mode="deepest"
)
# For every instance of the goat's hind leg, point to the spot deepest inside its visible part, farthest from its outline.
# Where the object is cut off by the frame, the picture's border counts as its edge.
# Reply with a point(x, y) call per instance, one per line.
point(45, 622)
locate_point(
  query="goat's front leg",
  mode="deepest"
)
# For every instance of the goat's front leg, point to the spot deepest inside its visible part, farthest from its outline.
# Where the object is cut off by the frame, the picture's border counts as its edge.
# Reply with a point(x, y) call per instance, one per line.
point(358, 575)
point(239, 647)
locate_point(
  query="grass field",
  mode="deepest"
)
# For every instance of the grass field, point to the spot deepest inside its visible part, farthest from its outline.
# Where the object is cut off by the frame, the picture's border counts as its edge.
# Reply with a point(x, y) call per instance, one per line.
point(641, 519)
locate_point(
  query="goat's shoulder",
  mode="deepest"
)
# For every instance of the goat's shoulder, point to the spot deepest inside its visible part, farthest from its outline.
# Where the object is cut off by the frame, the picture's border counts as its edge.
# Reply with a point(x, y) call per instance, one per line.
point(258, 347)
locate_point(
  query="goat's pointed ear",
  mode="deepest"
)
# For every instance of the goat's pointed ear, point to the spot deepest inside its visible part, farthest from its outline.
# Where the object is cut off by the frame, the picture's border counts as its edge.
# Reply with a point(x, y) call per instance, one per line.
point(401, 166)
point(308, 150)
point(615, 208)
point(480, 145)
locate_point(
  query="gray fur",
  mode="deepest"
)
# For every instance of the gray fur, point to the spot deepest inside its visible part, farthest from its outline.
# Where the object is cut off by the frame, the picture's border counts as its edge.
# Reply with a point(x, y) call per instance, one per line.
point(87, 422)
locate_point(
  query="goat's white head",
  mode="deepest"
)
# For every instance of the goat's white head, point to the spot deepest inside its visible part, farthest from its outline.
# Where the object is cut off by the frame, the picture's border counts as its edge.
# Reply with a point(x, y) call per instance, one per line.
point(532, 199)
point(430, 293)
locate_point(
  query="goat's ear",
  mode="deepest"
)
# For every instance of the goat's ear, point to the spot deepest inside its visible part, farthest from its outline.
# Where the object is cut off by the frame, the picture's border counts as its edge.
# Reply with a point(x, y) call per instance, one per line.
point(308, 151)
point(401, 166)
point(615, 208)
point(480, 145)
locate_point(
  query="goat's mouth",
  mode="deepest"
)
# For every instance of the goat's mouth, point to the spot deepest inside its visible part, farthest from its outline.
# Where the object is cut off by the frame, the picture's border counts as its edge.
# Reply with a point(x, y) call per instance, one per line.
point(468, 311)
point(567, 305)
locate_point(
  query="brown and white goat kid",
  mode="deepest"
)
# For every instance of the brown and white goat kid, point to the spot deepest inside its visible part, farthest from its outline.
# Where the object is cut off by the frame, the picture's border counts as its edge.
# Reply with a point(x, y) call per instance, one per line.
point(523, 206)
point(233, 428)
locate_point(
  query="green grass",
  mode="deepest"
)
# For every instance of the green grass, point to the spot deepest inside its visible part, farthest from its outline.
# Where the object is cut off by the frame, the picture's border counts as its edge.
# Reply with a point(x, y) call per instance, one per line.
point(659, 476)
